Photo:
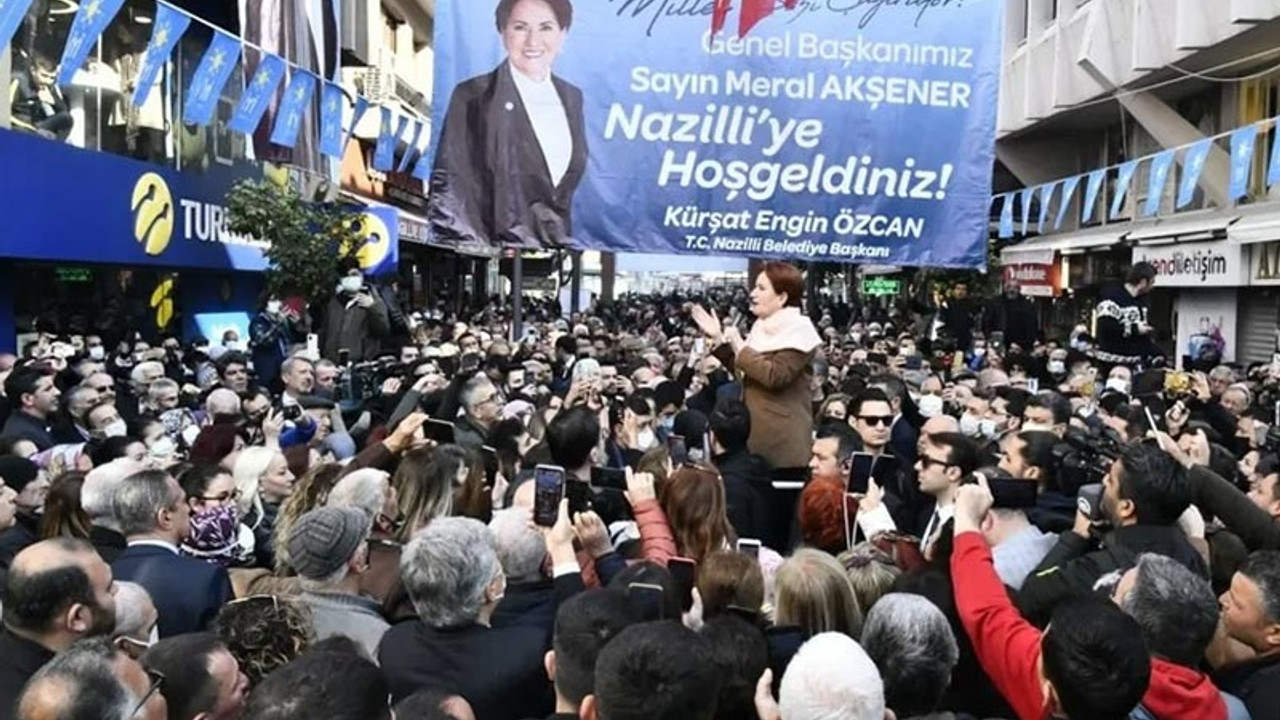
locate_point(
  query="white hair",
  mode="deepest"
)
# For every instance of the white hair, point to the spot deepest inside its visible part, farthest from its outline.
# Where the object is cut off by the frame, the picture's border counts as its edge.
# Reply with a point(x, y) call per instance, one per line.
point(521, 548)
point(832, 678)
point(132, 601)
point(101, 484)
point(250, 466)
point(364, 489)
point(222, 401)
point(139, 372)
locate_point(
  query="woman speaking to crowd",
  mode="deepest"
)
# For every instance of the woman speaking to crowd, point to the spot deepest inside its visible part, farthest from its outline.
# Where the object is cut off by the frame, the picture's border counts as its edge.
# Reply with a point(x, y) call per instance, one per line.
point(775, 363)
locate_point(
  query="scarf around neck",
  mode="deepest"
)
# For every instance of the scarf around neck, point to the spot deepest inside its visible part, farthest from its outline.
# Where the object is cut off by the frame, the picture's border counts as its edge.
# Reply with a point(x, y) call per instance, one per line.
point(787, 329)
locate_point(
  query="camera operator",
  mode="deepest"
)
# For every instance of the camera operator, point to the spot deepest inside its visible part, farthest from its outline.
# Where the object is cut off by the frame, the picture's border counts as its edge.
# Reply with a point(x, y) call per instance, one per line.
point(1033, 455)
point(1144, 495)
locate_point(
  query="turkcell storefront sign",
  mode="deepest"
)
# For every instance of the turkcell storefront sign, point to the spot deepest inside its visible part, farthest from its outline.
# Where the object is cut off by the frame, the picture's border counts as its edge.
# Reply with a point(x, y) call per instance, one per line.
point(836, 131)
point(68, 204)
point(1214, 264)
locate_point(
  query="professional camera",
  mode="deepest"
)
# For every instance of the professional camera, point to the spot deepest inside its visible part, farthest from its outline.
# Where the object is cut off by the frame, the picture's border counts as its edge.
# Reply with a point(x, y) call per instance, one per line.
point(363, 380)
point(1085, 458)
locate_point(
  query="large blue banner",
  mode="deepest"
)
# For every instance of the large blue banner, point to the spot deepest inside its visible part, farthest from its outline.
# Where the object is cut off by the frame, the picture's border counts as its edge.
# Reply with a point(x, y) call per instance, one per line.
point(845, 130)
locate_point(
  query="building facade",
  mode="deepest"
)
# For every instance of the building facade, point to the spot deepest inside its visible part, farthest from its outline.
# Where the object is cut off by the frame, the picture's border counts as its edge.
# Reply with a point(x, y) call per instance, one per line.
point(1092, 84)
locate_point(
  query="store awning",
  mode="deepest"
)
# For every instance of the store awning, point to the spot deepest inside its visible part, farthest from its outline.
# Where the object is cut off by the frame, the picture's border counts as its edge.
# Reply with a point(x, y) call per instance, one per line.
point(1195, 227)
point(1256, 228)
point(1065, 243)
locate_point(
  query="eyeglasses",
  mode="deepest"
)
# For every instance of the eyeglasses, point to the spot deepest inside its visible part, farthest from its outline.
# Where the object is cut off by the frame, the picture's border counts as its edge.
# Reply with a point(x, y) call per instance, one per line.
point(157, 681)
point(382, 544)
point(133, 648)
point(874, 420)
point(926, 461)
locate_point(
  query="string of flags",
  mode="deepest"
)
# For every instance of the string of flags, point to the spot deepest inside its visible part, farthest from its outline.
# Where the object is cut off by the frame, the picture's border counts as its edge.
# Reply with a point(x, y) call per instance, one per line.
point(1160, 172)
point(219, 61)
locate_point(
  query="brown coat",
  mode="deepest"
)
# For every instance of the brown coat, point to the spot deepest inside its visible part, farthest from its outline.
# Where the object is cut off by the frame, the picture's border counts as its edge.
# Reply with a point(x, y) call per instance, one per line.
point(776, 389)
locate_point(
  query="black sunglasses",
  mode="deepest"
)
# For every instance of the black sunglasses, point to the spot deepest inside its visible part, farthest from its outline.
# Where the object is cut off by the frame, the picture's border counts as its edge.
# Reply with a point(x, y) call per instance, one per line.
point(873, 420)
point(926, 461)
point(157, 682)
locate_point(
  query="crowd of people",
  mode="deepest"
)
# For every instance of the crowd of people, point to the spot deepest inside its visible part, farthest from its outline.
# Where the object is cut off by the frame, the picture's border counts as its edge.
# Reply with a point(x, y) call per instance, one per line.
point(668, 508)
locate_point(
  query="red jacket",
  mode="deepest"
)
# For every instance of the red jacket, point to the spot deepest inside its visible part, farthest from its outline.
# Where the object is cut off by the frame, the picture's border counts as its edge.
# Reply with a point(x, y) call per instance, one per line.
point(1008, 647)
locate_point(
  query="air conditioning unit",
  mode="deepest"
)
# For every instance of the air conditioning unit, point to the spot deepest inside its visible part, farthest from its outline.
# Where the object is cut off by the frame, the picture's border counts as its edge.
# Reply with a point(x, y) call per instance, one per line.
point(380, 79)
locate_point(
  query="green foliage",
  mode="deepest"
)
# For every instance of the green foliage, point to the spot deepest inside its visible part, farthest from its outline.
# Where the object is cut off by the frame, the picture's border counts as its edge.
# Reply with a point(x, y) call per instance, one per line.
point(310, 242)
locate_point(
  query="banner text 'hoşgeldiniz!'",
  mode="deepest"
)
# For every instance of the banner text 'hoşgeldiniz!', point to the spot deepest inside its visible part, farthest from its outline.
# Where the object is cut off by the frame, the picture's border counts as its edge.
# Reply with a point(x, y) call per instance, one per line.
point(838, 130)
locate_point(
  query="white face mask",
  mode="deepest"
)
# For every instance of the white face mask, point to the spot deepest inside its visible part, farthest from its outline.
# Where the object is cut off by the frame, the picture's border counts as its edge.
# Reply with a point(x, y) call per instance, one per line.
point(931, 405)
point(646, 440)
point(1118, 384)
point(163, 448)
point(1036, 427)
point(237, 345)
point(1057, 367)
point(116, 429)
point(988, 429)
point(970, 425)
point(352, 283)
point(273, 307)
point(97, 352)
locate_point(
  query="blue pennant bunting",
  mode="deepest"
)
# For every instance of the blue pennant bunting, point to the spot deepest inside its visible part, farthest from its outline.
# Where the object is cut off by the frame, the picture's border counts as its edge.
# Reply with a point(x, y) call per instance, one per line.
point(1160, 165)
point(1243, 142)
point(257, 94)
point(1068, 191)
point(1024, 196)
point(357, 113)
point(1091, 191)
point(169, 26)
point(384, 154)
point(11, 14)
point(296, 99)
point(1273, 168)
point(422, 171)
point(1006, 215)
point(1046, 198)
point(1192, 167)
point(91, 19)
point(210, 77)
point(332, 103)
point(412, 150)
point(1122, 187)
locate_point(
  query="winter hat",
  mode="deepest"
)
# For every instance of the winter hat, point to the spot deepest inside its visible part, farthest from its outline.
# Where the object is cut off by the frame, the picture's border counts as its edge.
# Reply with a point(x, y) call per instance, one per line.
point(325, 539)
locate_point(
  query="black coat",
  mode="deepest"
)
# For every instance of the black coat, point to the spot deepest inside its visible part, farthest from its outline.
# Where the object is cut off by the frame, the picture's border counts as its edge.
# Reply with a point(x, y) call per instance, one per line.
point(490, 182)
point(19, 660)
point(498, 670)
point(25, 532)
point(1256, 683)
point(1219, 498)
point(1070, 569)
point(28, 427)
point(187, 593)
point(748, 493)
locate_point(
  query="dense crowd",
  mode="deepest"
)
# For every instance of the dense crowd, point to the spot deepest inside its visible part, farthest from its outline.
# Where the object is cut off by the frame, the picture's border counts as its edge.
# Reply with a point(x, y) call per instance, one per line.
point(668, 508)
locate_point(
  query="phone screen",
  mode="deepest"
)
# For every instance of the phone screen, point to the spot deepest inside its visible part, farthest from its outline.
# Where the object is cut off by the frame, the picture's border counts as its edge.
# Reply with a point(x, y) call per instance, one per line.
point(683, 571)
point(647, 601)
point(490, 456)
point(749, 547)
point(548, 489)
point(579, 495)
point(439, 431)
point(612, 478)
point(679, 450)
point(860, 467)
point(1012, 493)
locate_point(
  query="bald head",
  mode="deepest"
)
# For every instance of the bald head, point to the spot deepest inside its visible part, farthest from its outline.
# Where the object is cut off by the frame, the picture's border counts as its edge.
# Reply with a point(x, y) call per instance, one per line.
point(940, 424)
point(222, 402)
point(58, 591)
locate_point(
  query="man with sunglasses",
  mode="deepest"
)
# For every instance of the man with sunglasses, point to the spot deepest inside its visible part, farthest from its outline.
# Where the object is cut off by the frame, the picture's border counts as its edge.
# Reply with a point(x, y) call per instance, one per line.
point(91, 679)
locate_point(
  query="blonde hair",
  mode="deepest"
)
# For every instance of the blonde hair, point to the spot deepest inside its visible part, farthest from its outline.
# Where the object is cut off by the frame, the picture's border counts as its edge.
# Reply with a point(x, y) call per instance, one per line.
point(815, 594)
point(250, 466)
point(871, 573)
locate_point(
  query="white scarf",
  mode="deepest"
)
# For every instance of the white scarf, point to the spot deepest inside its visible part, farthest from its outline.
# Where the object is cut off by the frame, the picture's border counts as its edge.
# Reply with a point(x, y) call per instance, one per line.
point(786, 329)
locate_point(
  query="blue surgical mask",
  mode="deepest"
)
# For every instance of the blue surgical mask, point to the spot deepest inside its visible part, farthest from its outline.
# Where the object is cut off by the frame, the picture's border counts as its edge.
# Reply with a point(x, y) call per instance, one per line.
point(668, 423)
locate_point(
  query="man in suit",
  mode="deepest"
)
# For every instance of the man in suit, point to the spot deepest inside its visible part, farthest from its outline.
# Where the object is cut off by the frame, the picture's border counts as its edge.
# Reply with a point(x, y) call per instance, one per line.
point(57, 592)
point(153, 514)
point(452, 572)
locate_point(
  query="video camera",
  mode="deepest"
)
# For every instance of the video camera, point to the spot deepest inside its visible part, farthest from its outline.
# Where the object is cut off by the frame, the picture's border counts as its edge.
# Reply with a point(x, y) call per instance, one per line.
point(363, 380)
point(1085, 458)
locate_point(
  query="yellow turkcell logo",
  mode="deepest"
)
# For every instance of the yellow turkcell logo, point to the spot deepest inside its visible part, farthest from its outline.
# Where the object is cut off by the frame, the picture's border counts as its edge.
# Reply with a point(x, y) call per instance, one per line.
point(153, 213)
point(377, 241)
